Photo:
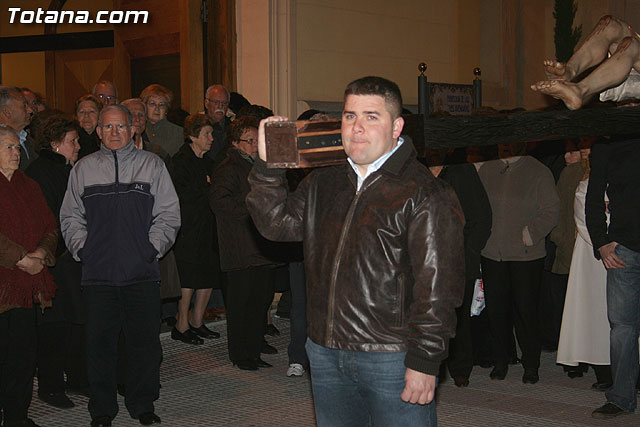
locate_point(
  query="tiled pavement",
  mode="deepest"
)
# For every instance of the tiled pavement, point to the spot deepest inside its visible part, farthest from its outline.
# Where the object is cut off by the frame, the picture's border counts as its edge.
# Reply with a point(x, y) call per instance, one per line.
point(201, 388)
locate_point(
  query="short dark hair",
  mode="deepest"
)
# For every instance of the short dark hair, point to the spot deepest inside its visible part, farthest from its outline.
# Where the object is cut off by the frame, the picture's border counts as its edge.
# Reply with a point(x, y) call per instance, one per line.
point(372, 85)
point(193, 124)
point(257, 111)
point(54, 128)
point(239, 125)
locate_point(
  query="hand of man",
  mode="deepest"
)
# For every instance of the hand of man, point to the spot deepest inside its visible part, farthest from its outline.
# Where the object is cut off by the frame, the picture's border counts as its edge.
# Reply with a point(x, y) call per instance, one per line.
point(30, 265)
point(419, 388)
point(609, 257)
point(262, 147)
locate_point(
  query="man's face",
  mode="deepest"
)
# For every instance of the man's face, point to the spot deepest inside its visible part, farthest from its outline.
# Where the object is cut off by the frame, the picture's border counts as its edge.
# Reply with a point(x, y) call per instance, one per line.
point(19, 111)
point(31, 99)
point(216, 103)
point(139, 117)
point(368, 131)
point(115, 131)
point(106, 94)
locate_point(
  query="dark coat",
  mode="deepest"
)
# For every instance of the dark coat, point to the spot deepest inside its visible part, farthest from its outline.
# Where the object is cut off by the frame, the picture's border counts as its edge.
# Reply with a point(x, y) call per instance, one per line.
point(241, 245)
point(88, 143)
point(27, 158)
point(197, 239)
point(477, 212)
point(51, 171)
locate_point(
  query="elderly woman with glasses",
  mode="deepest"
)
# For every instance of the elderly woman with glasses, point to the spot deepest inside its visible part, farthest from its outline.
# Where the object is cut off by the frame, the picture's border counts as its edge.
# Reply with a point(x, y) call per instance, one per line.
point(161, 131)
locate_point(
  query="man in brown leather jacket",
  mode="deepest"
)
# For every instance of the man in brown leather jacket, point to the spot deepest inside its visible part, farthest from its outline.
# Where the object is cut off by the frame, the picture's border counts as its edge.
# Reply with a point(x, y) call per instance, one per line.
point(384, 258)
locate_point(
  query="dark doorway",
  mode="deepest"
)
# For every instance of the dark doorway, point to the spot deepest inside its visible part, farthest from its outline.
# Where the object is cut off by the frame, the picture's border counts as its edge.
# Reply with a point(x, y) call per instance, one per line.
point(161, 69)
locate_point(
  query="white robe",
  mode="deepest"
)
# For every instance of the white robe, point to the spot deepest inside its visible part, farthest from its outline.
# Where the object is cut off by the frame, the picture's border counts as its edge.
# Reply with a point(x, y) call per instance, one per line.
point(584, 334)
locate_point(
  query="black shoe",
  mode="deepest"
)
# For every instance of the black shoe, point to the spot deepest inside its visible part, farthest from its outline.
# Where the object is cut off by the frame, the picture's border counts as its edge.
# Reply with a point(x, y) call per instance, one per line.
point(601, 386)
point(101, 421)
point(78, 391)
point(461, 381)
point(203, 332)
point(268, 349)
point(57, 400)
point(499, 372)
point(272, 330)
point(149, 418)
point(246, 365)
point(608, 410)
point(261, 363)
point(530, 377)
point(187, 336)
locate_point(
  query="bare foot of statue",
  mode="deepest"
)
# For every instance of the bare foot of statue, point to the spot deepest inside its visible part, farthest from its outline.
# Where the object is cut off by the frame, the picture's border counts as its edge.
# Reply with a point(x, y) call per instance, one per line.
point(567, 92)
point(556, 70)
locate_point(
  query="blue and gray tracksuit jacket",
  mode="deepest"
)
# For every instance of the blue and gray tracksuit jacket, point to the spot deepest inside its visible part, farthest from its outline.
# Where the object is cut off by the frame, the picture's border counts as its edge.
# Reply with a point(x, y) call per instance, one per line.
point(119, 215)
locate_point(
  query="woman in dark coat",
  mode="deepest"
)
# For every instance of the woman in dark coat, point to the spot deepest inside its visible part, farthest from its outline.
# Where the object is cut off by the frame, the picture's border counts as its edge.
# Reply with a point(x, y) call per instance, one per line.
point(195, 251)
point(61, 329)
point(477, 213)
point(87, 109)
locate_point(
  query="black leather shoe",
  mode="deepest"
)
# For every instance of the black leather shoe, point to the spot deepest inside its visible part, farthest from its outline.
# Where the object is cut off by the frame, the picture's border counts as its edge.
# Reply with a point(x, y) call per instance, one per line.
point(149, 418)
point(261, 363)
point(461, 381)
point(530, 377)
point(57, 400)
point(272, 330)
point(246, 365)
point(203, 332)
point(608, 410)
point(101, 421)
point(601, 386)
point(188, 337)
point(268, 349)
point(499, 372)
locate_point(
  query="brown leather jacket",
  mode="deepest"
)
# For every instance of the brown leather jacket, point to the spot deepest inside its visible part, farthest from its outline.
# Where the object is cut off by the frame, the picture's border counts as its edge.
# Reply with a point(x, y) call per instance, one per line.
point(384, 265)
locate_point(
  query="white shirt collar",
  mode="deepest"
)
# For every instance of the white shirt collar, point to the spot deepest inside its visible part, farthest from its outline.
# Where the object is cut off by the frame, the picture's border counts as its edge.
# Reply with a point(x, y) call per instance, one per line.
point(375, 165)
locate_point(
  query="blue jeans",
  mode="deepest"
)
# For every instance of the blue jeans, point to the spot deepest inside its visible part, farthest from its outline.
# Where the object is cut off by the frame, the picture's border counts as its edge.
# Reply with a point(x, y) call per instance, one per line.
point(352, 388)
point(623, 306)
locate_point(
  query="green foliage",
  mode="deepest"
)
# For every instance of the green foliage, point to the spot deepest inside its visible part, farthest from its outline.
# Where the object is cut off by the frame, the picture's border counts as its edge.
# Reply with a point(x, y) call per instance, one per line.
point(565, 36)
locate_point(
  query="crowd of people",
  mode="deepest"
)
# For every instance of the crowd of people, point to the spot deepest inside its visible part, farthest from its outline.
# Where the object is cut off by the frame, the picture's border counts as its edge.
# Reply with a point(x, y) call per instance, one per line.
point(112, 213)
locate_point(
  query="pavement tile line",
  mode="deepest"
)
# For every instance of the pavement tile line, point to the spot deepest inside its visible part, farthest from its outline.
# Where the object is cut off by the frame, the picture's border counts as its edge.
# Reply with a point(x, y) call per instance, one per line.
point(201, 388)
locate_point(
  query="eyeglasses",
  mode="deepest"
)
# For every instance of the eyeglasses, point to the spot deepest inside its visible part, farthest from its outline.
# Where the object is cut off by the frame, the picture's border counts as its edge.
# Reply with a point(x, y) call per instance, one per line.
point(160, 105)
point(250, 141)
point(109, 98)
point(214, 102)
point(120, 127)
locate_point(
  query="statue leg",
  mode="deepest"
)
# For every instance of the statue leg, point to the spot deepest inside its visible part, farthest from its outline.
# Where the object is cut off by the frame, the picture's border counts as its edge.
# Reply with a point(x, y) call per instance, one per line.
point(613, 71)
point(603, 39)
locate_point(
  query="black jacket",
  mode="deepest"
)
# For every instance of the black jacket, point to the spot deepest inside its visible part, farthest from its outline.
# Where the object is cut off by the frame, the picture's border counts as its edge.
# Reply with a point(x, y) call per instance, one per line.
point(241, 245)
point(384, 264)
point(614, 169)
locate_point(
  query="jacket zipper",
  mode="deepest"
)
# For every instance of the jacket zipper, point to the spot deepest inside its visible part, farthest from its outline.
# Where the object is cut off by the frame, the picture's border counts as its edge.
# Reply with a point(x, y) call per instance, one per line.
point(336, 263)
point(115, 158)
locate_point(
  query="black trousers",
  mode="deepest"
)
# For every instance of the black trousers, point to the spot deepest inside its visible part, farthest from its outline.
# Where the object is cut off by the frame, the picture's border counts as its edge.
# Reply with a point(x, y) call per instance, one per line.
point(17, 362)
point(460, 360)
point(513, 286)
point(134, 309)
point(297, 279)
point(249, 295)
point(553, 289)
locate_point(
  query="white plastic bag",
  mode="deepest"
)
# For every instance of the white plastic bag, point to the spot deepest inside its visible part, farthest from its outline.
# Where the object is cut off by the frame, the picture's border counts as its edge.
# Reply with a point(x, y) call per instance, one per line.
point(477, 305)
